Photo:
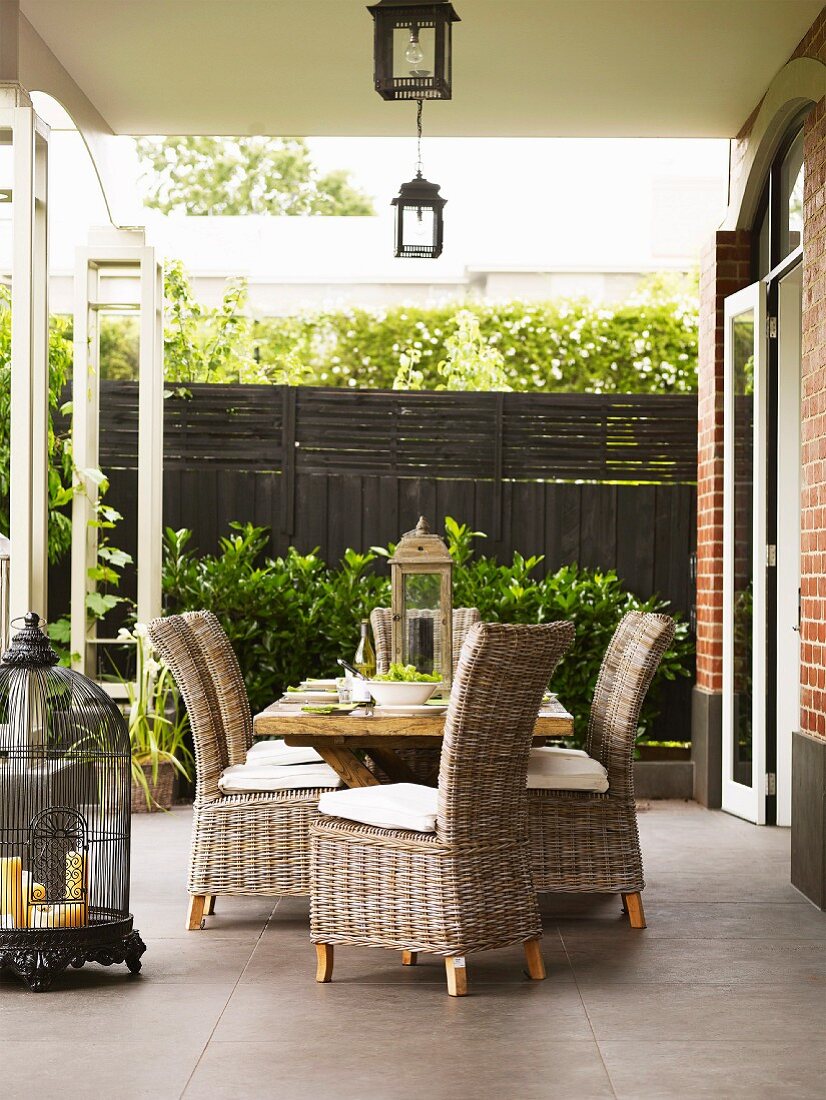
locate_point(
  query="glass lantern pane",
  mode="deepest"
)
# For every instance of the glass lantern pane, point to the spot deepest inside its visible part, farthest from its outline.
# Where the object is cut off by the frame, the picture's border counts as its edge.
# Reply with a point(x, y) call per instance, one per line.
point(422, 637)
point(414, 53)
point(418, 227)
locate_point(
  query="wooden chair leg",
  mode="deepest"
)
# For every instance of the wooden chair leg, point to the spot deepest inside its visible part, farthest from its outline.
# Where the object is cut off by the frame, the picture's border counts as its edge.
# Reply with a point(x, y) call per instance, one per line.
point(410, 958)
point(533, 957)
point(456, 975)
point(209, 908)
point(632, 904)
point(324, 962)
point(195, 915)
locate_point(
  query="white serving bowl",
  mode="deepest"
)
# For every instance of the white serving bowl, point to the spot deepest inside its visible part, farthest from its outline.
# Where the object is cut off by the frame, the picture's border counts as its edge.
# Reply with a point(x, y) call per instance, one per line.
point(390, 693)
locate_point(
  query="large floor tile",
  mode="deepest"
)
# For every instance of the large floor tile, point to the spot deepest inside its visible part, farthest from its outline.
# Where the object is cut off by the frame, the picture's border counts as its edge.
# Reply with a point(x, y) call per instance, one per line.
point(88, 1067)
point(121, 1009)
point(507, 1012)
point(740, 1070)
point(600, 958)
point(416, 1063)
point(732, 1013)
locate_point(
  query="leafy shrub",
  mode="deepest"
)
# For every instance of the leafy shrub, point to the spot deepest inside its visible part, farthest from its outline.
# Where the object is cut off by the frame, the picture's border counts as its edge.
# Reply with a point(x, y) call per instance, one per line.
point(60, 454)
point(292, 616)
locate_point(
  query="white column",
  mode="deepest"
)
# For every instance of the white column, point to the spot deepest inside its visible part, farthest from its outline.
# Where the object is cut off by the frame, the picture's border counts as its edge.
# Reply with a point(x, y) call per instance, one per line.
point(29, 352)
point(150, 440)
point(85, 404)
point(125, 253)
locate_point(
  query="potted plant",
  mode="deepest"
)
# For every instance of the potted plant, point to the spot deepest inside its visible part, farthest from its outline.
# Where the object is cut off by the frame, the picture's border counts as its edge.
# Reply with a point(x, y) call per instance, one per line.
point(156, 728)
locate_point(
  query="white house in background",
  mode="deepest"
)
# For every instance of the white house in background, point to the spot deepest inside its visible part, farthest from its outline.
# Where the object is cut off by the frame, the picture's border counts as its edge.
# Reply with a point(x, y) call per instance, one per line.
point(311, 262)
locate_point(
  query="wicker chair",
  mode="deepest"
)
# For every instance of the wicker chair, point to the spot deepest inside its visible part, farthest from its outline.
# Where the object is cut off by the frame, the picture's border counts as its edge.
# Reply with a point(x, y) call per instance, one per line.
point(423, 764)
point(381, 620)
point(255, 843)
point(467, 886)
point(583, 842)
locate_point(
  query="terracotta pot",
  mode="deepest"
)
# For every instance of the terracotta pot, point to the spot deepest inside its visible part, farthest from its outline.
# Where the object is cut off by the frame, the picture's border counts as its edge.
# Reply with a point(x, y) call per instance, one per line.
point(162, 793)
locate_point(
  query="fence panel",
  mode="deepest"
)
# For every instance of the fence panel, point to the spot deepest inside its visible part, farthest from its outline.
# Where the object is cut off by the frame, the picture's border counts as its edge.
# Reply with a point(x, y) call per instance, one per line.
point(603, 480)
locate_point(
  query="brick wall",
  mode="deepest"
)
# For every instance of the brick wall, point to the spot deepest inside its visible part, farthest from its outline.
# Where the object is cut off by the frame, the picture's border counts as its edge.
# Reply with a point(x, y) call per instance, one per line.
point(725, 268)
point(813, 424)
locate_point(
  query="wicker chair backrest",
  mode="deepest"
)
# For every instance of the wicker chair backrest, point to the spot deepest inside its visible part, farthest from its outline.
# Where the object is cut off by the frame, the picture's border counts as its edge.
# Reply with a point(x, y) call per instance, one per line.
point(172, 638)
point(224, 672)
point(381, 620)
point(498, 685)
point(631, 660)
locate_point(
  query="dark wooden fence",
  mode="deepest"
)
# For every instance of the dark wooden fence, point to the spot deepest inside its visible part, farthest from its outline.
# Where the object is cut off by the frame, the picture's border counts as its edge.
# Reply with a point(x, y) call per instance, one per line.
point(602, 480)
point(605, 481)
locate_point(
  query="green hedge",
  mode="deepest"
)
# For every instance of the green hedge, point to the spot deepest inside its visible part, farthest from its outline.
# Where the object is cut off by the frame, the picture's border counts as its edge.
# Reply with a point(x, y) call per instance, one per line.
point(647, 345)
point(292, 616)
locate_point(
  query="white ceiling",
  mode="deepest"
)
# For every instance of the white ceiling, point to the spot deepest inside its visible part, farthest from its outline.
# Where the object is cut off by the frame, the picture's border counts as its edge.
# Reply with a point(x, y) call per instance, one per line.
point(522, 68)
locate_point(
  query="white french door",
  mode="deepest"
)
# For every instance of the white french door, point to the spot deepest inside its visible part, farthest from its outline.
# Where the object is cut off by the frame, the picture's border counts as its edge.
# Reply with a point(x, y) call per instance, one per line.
point(745, 554)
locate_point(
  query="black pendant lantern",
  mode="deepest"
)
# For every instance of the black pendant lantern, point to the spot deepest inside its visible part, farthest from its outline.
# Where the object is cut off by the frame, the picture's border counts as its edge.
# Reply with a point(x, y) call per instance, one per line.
point(419, 206)
point(65, 787)
point(419, 222)
point(412, 48)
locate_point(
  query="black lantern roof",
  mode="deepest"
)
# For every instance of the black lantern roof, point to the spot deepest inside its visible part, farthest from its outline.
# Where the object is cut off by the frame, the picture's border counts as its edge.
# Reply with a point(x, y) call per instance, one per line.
point(412, 48)
point(419, 219)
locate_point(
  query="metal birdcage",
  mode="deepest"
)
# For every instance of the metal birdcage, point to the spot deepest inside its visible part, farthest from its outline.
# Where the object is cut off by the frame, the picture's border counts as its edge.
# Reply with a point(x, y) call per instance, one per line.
point(65, 790)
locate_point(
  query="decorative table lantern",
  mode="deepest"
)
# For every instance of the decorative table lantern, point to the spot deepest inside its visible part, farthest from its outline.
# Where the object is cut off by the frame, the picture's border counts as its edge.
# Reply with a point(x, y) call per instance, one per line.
point(65, 785)
point(421, 576)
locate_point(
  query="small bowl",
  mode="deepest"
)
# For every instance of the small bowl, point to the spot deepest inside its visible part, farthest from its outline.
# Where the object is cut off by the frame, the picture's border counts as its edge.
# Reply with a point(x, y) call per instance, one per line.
point(398, 693)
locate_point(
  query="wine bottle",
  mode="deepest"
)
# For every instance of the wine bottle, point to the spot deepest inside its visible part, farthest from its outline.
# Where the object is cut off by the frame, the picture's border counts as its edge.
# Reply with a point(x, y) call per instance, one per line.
point(365, 658)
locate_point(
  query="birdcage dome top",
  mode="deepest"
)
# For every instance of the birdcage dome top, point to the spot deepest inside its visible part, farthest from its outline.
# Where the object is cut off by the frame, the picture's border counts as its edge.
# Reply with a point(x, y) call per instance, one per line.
point(51, 710)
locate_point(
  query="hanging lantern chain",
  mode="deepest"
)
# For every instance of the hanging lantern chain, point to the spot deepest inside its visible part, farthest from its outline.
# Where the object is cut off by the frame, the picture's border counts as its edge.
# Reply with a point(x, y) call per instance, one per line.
point(419, 109)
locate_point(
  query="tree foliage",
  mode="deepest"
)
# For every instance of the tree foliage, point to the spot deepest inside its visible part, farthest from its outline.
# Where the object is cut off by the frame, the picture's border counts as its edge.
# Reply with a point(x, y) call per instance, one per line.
point(248, 175)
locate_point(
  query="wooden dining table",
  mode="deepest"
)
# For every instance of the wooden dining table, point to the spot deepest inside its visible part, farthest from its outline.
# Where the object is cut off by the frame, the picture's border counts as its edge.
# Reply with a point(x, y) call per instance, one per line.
point(338, 738)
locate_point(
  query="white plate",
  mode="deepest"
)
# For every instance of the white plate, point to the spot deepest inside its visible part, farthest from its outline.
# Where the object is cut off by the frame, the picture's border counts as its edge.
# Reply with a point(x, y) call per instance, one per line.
point(316, 685)
point(309, 697)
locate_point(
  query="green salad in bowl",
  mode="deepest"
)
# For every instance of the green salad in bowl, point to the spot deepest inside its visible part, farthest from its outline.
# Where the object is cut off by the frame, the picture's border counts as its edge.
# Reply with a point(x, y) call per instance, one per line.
point(403, 686)
point(406, 674)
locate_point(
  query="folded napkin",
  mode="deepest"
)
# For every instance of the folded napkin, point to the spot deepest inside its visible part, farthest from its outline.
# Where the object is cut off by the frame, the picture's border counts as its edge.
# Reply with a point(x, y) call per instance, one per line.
point(565, 770)
point(242, 778)
point(390, 806)
point(277, 752)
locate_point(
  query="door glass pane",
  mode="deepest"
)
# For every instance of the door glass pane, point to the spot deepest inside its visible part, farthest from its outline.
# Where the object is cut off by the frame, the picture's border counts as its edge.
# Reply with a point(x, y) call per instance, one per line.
point(742, 559)
point(791, 198)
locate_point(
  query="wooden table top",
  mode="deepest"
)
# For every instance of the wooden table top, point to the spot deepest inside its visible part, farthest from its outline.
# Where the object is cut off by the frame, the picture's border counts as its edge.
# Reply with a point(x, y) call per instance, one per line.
point(288, 721)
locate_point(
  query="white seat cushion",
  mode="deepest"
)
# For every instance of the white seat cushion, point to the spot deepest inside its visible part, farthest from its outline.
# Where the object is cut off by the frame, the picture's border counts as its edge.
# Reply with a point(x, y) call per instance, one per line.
point(565, 770)
point(277, 752)
point(244, 778)
point(392, 806)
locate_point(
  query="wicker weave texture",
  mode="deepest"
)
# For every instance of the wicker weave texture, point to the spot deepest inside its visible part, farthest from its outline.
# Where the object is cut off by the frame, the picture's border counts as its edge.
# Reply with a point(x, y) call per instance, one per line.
point(468, 887)
point(241, 844)
point(381, 620)
point(424, 763)
point(584, 842)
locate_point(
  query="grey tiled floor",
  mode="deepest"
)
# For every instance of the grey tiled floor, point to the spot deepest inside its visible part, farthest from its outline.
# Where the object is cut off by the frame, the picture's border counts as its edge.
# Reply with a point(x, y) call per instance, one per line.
point(724, 995)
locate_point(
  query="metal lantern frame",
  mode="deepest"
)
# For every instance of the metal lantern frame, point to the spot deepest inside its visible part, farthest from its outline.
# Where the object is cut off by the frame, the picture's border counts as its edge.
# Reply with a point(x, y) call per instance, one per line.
point(420, 552)
point(413, 15)
point(418, 195)
point(65, 818)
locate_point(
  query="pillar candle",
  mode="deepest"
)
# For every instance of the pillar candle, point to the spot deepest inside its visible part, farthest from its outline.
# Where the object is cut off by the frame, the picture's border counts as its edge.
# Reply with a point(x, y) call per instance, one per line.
point(11, 888)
